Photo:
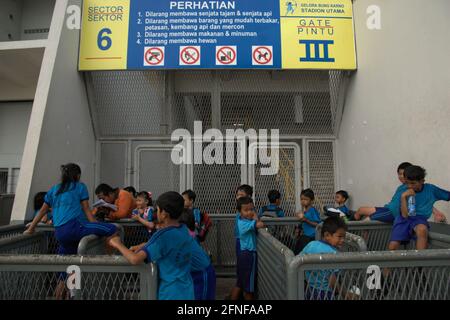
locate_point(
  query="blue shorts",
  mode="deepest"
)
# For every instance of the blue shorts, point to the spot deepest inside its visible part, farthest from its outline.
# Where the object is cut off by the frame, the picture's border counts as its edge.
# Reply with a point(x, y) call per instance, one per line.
point(403, 229)
point(238, 252)
point(382, 214)
point(204, 284)
point(70, 234)
point(247, 271)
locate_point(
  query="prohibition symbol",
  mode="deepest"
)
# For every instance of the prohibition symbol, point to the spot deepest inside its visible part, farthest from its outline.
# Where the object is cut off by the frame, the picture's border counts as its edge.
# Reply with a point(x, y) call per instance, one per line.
point(262, 55)
point(154, 56)
point(190, 56)
point(226, 55)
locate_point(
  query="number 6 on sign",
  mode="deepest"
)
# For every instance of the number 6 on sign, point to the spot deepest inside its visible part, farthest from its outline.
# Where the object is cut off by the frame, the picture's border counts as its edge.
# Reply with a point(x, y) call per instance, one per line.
point(102, 38)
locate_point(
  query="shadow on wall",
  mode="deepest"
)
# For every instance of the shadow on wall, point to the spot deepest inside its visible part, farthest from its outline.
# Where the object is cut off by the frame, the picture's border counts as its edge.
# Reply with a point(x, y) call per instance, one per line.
point(6, 205)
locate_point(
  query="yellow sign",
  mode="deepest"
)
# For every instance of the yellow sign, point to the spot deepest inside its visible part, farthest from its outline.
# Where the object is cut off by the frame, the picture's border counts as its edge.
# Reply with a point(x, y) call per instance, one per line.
point(317, 34)
point(104, 36)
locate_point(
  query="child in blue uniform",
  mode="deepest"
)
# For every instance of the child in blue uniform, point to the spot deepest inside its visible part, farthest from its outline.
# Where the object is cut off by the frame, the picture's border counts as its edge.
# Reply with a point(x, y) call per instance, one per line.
point(407, 227)
point(201, 219)
point(273, 209)
point(247, 261)
point(321, 284)
point(144, 211)
point(170, 248)
point(72, 217)
point(391, 210)
point(242, 191)
point(202, 271)
point(340, 198)
point(310, 218)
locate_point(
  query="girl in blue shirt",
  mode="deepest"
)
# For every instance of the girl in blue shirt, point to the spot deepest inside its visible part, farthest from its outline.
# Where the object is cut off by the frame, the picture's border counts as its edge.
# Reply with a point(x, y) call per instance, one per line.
point(71, 215)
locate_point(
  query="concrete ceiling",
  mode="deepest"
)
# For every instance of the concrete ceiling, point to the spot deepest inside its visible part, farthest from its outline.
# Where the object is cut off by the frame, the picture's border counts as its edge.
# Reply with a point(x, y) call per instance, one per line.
point(19, 73)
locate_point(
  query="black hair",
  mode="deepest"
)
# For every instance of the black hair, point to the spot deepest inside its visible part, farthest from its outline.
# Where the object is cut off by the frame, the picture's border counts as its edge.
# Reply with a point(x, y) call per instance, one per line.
point(187, 218)
point(333, 224)
point(415, 173)
point(243, 201)
point(70, 173)
point(343, 193)
point(146, 196)
point(403, 166)
point(131, 190)
point(246, 188)
point(104, 189)
point(307, 193)
point(273, 195)
point(190, 194)
point(171, 202)
point(39, 200)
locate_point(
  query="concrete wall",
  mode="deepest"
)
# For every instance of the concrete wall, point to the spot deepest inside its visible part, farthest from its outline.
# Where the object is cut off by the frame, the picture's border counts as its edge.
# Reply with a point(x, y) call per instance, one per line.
point(398, 104)
point(16, 16)
point(60, 128)
point(14, 118)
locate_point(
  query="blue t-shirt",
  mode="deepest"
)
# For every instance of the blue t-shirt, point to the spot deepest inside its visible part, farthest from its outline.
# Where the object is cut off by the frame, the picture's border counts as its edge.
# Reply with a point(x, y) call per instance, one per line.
point(319, 279)
point(343, 209)
point(236, 229)
point(271, 208)
point(171, 249)
point(394, 205)
point(312, 215)
point(199, 260)
point(426, 198)
point(247, 234)
point(67, 205)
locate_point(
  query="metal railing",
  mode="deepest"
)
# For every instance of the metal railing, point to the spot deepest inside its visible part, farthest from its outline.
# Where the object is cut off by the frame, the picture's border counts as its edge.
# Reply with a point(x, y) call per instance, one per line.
point(11, 230)
point(399, 275)
point(36, 243)
point(273, 262)
point(43, 277)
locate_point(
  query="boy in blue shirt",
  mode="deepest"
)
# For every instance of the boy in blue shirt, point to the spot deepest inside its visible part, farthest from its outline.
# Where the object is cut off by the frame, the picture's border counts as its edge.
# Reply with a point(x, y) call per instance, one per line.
point(202, 221)
point(242, 191)
point(340, 198)
point(272, 210)
point(247, 261)
point(309, 218)
point(170, 249)
point(321, 284)
point(411, 225)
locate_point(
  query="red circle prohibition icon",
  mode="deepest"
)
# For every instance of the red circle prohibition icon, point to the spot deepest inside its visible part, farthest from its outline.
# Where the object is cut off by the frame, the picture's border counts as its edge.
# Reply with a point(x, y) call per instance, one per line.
point(186, 55)
point(154, 56)
point(260, 57)
point(228, 59)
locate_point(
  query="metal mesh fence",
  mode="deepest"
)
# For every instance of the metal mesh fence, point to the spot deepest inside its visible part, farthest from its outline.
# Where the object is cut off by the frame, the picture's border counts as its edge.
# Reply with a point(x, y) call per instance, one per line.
point(215, 185)
point(321, 172)
point(220, 242)
point(11, 231)
point(102, 278)
point(284, 181)
point(24, 244)
point(165, 178)
point(126, 103)
point(273, 262)
point(402, 275)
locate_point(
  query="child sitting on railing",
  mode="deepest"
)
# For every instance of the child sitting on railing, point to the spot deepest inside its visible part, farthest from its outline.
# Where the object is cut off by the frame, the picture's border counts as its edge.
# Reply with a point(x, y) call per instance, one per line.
point(144, 212)
point(322, 284)
point(340, 209)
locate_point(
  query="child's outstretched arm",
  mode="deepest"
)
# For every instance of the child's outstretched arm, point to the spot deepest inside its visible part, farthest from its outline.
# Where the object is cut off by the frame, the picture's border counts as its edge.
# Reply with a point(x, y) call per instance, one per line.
point(87, 211)
point(134, 258)
point(146, 223)
point(44, 209)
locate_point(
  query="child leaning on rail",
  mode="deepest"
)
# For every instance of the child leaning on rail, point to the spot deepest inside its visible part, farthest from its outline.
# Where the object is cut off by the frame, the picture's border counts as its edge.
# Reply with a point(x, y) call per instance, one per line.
point(247, 262)
point(322, 284)
point(170, 248)
point(144, 211)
